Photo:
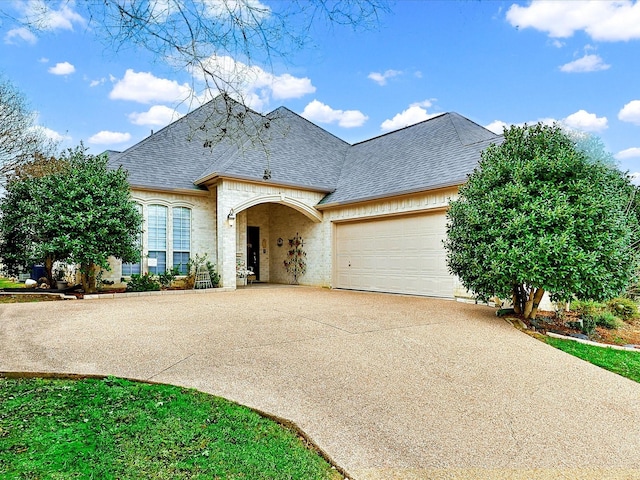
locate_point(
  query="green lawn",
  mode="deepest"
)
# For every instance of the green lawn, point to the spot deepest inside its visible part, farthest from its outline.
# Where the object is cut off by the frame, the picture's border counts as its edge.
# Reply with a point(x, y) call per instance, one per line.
point(621, 362)
point(117, 429)
point(6, 283)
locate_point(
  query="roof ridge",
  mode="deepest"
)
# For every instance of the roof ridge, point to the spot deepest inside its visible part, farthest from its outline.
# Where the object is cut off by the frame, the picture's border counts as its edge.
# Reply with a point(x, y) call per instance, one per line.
point(308, 121)
point(437, 115)
point(455, 115)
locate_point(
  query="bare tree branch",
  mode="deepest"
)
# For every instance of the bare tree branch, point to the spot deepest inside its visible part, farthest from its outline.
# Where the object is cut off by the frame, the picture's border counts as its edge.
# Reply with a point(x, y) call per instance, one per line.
point(20, 138)
point(221, 43)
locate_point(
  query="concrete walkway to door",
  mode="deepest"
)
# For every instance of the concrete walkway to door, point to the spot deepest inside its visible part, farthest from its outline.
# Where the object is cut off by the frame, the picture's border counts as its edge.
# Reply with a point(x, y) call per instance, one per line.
point(390, 387)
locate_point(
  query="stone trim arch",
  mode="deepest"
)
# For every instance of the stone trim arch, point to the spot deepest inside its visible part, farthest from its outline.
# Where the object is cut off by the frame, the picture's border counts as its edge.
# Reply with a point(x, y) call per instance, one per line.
point(309, 212)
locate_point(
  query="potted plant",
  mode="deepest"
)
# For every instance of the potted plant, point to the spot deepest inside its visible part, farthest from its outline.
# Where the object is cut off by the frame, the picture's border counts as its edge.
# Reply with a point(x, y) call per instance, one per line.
point(59, 276)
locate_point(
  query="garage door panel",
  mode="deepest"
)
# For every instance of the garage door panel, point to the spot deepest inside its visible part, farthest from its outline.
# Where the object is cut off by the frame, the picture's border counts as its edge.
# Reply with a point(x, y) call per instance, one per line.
point(401, 254)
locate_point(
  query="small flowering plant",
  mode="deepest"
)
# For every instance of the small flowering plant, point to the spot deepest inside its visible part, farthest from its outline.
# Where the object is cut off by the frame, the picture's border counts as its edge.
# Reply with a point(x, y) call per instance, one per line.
point(295, 262)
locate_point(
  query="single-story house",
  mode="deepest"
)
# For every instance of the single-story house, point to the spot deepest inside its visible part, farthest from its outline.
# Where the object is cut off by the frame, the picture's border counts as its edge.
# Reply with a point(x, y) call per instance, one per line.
point(236, 185)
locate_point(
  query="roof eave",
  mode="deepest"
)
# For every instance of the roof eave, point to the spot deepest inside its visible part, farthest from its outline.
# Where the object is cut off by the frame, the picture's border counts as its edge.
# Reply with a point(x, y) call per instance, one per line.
point(182, 191)
point(209, 179)
point(442, 186)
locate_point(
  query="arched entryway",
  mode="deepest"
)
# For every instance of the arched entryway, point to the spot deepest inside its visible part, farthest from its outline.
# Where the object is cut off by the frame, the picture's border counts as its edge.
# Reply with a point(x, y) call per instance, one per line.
point(263, 226)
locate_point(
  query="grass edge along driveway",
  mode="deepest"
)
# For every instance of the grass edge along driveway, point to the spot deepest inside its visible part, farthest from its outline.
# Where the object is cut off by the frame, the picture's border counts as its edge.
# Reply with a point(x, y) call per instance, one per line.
point(624, 363)
point(116, 428)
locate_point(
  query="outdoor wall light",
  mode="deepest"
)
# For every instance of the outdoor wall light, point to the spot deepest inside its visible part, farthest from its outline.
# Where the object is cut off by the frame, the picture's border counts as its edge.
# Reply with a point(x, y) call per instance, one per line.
point(231, 217)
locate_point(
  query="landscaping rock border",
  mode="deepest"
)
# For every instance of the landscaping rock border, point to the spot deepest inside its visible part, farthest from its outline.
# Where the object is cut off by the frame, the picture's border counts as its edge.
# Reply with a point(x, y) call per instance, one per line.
point(632, 348)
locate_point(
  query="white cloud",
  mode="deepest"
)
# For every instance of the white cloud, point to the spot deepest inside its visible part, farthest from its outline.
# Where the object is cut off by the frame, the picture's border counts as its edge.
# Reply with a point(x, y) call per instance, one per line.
point(635, 178)
point(586, 122)
point(381, 78)
point(287, 86)
point(63, 68)
point(40, 14)
point(319, 112)
point(144, 87)
point(53, 135)
point(630, 112)
point(579, 121)
point(255, 86)
point(415, 113)
point(106, 137)
point(603, 21)
point(19, 33)
point(633, 152)
point(157, 116)
point(61, 19)
point(588, 63)
point(497, 126)
point(248, 11)
point(95, 83)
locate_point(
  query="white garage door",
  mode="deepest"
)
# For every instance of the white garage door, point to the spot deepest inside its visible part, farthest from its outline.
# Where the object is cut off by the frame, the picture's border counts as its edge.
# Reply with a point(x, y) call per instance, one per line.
point(399, 254)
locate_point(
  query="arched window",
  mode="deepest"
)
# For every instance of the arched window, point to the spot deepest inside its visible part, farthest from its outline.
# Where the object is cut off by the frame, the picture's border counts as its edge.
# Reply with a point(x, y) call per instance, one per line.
point(129, 269)
point(181, 238)
point(157, 238)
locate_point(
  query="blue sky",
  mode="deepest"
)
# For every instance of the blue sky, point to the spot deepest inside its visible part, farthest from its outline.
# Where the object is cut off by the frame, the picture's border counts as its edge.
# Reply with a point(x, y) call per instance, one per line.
point(497, 63)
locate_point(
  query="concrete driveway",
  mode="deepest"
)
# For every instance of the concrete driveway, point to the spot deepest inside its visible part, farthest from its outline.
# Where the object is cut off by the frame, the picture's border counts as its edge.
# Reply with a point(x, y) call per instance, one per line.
point(390, 387)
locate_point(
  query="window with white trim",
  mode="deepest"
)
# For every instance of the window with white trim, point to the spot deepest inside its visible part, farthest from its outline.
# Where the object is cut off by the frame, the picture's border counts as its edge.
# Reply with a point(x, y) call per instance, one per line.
point(157, 237)
point(181, 238)
point(129, 269)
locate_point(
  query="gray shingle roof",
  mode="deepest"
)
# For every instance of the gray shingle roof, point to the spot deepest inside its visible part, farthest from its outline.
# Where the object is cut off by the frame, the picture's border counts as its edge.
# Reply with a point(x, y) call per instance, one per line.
point(193, 148)
point(295, 150)
point(437, 152)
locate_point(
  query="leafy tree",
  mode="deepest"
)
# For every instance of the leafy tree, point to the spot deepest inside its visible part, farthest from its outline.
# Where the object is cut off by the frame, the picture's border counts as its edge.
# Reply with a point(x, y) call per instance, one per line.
point(542, 213)
point(29, 231)
point(73, 209)
point(20, 139)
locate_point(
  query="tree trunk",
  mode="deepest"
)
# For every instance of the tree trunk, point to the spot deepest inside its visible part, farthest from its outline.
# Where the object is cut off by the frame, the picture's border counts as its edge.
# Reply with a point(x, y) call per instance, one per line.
point(519, 298)
point(528, 305)
point(48, 267)
point(531, 307)
point(88, 275)
point(536, 302)
point(516, 302)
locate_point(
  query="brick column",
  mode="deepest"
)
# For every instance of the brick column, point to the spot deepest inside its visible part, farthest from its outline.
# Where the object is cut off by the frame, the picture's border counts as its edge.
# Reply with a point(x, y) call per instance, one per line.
point(226, 239)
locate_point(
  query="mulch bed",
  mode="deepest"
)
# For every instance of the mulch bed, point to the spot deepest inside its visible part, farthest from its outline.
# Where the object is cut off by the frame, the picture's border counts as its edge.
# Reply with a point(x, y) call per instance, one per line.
point(628, 334)
point(12, 298)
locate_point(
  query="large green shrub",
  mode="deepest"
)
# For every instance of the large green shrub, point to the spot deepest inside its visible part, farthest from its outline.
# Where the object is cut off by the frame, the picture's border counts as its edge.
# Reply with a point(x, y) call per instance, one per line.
point(607, 320)
point(142, 283)
point(530, 219)
point(588, 307)
point(167, 278)
point(625, 308)
point(213, 273)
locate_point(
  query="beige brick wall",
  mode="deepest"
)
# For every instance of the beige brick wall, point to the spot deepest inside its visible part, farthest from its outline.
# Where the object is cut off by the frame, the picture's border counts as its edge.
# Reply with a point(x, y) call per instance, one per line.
point(285, 223)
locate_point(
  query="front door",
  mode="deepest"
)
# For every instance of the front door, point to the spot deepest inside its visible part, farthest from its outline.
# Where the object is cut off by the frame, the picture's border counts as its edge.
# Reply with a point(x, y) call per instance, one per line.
point(253, 250)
